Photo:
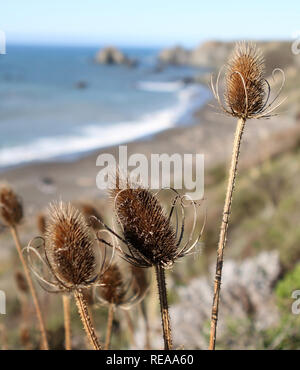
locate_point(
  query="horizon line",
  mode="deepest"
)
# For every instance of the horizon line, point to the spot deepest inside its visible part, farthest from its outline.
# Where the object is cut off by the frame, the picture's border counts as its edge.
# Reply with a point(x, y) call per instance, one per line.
point(185, 45)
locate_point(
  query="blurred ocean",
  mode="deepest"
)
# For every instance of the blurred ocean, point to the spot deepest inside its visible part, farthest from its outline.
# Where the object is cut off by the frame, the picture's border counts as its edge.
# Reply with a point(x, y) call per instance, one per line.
point(44, 114)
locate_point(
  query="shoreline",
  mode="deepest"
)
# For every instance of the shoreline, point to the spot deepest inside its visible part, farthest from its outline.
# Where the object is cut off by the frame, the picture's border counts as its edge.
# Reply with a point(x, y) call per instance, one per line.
point(91, 137)
point(211, 135)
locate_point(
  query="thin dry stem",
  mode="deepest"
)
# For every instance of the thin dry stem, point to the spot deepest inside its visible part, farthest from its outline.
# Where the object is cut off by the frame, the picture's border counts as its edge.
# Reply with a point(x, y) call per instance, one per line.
point(15, 236)
point(110, 318)
point(223, 231)
point(67, 321)
point(86, 320)
point(130, 326)
point(165, 318)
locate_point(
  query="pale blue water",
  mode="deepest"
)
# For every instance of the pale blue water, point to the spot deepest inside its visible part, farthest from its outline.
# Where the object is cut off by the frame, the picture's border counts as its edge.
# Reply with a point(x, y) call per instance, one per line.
point(43, 115)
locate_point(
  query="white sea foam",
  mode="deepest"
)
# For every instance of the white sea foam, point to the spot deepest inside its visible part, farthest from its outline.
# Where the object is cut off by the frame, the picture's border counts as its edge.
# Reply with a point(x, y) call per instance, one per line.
point(160, 86)
point(99, 136)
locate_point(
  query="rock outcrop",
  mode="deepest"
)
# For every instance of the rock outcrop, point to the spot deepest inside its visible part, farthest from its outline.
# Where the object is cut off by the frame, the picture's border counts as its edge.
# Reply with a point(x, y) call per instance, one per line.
point(175, 56)
point(247, 292)
point(214, 54)
point(112, 55)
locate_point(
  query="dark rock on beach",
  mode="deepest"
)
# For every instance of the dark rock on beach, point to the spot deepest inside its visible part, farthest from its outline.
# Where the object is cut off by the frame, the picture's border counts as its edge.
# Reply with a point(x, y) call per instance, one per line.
point(112, 55)
point(81, 85)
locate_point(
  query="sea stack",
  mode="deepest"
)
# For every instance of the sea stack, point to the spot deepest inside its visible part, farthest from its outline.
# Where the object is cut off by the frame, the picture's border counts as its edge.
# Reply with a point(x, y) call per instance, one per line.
point(112, 55)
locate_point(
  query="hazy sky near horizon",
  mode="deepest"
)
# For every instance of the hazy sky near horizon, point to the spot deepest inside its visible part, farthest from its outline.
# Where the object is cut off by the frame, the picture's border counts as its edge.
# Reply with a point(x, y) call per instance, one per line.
point(146, 23)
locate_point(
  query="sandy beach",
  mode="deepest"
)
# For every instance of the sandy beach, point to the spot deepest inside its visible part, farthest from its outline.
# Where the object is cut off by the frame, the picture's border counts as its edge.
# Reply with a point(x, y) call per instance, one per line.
point(212, 135)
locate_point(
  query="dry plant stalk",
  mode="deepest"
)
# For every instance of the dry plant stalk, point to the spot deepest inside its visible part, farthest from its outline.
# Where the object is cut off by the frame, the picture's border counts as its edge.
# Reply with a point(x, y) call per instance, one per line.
point(247, 95)
point(11, 211)
point(164, 309)
point(149, 237)
point(70, 259)
point(67, 321)
point(86, 320)
point(110, 318)
point(23, 290)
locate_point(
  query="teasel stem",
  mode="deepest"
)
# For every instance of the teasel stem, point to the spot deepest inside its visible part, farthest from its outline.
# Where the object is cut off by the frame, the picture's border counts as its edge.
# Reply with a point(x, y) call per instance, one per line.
point(16, 238)
point(163, 299)
point(86, 320)
point(130, 327)
point(224, 228)
point(67, 321)
point(110, 318)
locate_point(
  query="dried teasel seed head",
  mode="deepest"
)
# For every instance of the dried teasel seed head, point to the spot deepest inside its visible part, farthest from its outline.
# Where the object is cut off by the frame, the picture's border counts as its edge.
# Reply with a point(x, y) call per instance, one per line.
point(21, 282)
point(245, 83)
point(88, 211)
point(41, 223)
point(11, 209)
point(146, 227)
point(69, 247)
point(113, 289)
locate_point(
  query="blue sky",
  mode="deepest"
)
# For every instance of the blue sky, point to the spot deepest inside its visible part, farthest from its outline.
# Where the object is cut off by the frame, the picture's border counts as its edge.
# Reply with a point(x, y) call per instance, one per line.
point(145, 22)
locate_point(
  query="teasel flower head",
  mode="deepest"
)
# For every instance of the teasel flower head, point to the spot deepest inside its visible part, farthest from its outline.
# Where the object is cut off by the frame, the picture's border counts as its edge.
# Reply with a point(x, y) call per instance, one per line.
point(67, 251)
point(117, 290)
point(88, 210)
point(11, 209)
point(147, 231)
point(41, 222)
point(247, 92)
